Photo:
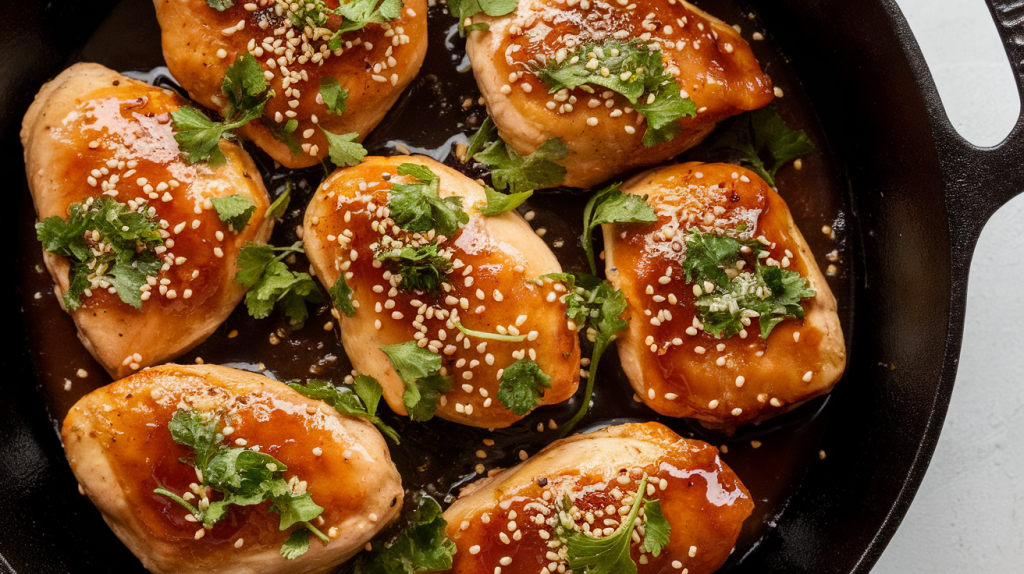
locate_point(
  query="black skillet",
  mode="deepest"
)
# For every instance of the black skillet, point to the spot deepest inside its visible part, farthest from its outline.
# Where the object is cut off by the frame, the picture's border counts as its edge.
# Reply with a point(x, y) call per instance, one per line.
point(918, 198)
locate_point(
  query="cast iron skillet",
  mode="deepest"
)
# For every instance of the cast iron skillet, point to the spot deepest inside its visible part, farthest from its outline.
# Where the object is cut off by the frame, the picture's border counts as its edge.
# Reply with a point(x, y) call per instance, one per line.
point(920, 195)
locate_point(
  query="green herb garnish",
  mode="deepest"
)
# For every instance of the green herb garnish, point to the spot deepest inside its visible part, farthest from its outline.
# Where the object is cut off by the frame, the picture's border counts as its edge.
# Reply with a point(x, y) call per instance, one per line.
point(220, 5)
point(522, 386)
point(106, 243)
point(345, 150)
point(490, 336)
point(633, 70)
point(235, 210)
point(341, 296)
point(333, 94)
point(271, 283)
point(419, 207)
point(280, 205)
point(509, 170)
point(612, 206)
point(423, 546)
point(422, 268)
point(360, 401)
point(420, 370)
point(498, 203)
point(762, 140)
point(244, 477)
point(355, 15)
point(466, 9)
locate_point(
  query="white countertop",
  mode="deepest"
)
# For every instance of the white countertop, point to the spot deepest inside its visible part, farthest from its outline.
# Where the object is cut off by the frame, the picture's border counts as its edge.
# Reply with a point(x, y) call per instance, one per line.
point(969, 514)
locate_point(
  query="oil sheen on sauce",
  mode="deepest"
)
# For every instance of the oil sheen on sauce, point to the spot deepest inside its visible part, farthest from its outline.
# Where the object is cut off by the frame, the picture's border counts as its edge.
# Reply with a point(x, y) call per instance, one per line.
point(439, 110)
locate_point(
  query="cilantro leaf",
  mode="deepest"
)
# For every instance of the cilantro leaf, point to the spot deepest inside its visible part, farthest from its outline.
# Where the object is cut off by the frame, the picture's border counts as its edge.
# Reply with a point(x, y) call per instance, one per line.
point(612, 206)
point(761, 140)
point(498, 203)
point(243, 83)
point(422, 268)
point(197, 433)
point(341, 296)
point(345, 150)
point(707, 254)
point(463, 9)
point(333, 94)
point(220, 5)
point(296, 545)
point(634, 71)
point(522, 386)
point(609, 554)
point(514, 172)
point(420, 370)
point(235, 210)
point(419, 207)
point(280, 205)
point(656, 528)
point(361, 401)
point(423, 546)
point(106, 244)
point(358, 13)
point(198, 136)
point(271, 283)
point(284, 133)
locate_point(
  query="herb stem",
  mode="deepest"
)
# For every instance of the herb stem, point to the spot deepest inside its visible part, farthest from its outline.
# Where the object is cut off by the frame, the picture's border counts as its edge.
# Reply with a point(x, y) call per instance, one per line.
point(491, 336)
point(195, 512)
point(588, 392)
point(316, 532)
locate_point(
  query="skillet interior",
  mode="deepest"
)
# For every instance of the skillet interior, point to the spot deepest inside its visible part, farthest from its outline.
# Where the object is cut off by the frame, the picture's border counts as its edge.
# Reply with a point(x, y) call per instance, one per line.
point(874, 98)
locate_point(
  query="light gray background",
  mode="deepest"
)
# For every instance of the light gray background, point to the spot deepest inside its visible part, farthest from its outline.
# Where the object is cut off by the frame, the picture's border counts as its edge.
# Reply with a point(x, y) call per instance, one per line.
point(969, 514)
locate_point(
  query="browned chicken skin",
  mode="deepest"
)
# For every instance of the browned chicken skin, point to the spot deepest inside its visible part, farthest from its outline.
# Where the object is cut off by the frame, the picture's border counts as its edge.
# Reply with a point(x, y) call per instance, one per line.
point(94, 133)
point(120, 449)
point(374, 64)
point(491, 288)
point(712, 63)
point(676, 367)
point(508, 521)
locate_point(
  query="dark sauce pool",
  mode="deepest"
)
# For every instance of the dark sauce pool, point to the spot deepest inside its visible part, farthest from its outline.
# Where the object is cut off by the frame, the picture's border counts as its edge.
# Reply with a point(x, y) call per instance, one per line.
point(439, 110)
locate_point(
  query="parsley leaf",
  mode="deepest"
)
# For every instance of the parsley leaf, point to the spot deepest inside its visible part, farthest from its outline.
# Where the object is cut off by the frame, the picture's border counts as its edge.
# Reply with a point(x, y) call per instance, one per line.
point(345, 150)
point(762, 140)
point(463, 9)
point(280, 205)
point(199, 137)
point(419, 207)
point(522, 386)
point(244, 478)
point(341, 296)
point(220, 5)
point(423, 546)
point(360, 401)
point(612, 206)
point(633, 70)
point(333, 94)
point(271, 283)
point(422, 268)
point(656, 528)
point(498, 203)
point(420, 370)
point(106, 244)
point(235, 210)
point(609, 554)
point(514, 172)
point(769, 293)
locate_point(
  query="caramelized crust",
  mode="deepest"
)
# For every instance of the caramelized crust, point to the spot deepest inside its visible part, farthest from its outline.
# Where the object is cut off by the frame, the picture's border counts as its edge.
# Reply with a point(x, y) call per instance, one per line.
point(490, 288)
point(710, 60)
point(94, 133)
point(508, 520)
point(120, 449)
point(374, 64)
point(677, 368)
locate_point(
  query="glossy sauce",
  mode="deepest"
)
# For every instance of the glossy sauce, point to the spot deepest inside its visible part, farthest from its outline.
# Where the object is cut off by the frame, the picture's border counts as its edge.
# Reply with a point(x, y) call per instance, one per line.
point(440, 457)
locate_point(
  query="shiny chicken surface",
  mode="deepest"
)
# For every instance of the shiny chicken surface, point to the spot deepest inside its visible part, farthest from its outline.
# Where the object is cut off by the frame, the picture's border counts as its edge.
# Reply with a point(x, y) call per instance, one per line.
point(374, 64)
point(712, 63)
point(120, 448)
point(510, 520)
point(92, 133)
point(674, 365)
point(491, 288)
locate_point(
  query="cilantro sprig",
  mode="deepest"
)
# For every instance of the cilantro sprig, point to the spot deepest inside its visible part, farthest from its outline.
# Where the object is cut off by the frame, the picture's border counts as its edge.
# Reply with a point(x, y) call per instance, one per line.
point(761, 140)
point(633, 70)
point(245, 86)
point(244, 478)
point(355, 15)
point(610, 205)
point(611, 554)
point(236, 210)
point(423, 546)
point(419, 370)
point(105, 242)
point(271, 283)
point(422, 268)
point(509, 170)
point(333, 95)
point(341, 296)
point(361, 400)
point(522, 386)
point(466, 9)
point(769, 293)
point(419, 207)
point(498, 203)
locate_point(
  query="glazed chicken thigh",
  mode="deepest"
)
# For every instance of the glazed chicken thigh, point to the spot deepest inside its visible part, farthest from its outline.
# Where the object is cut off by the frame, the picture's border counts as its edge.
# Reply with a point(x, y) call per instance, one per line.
point(710, 62)
point(125, 445)
point(485, 318)
point(696, 345)
point(99, 144)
